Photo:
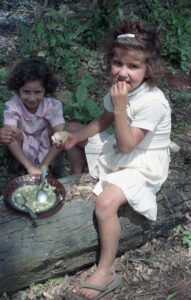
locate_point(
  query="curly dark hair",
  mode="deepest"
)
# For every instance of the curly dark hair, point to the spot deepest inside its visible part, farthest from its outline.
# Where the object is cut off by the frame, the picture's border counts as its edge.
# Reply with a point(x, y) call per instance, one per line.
point(146, 39)
point(31, 69)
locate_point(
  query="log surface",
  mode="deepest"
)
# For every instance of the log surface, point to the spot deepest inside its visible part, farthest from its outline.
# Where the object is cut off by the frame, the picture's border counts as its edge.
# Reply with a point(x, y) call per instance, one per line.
point(32, 251)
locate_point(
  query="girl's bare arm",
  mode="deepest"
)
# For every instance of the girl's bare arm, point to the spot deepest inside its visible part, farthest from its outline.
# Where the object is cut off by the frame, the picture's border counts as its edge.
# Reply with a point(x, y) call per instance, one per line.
point(97, 125)
point(127, 137)
point(53, 151)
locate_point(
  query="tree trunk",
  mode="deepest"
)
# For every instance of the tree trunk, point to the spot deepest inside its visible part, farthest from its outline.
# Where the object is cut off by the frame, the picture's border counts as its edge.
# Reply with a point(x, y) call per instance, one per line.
point(36, 250)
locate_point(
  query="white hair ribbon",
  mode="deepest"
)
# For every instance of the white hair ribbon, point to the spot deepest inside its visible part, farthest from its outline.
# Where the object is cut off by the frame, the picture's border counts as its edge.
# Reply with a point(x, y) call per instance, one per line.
point(126, 35)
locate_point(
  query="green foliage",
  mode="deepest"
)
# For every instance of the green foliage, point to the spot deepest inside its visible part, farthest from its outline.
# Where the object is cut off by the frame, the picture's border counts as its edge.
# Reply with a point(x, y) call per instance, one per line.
point(185, 235)
point(177, 229)
point(32, 286)
point(185, 96)
point(56, 39)
point(5, 296)
point(82, 108)
point(173, 20)
point(186, 238)
point(3, 74)
point(181, 127)
point(102, 15)
point(171, 296)
point(4, 96)
point(3, 59)
point(53, 280)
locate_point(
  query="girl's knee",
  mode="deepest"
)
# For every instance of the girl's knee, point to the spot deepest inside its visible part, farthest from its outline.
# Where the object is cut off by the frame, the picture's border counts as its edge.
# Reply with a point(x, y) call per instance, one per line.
point(104, 206)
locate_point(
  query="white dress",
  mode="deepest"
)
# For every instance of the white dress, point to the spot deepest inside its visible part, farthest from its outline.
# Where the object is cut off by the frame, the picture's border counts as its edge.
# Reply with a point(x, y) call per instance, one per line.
point(141, 173)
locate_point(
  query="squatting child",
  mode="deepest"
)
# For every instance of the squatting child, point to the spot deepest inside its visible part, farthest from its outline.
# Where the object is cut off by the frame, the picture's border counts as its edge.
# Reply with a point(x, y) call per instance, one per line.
point(31, 116)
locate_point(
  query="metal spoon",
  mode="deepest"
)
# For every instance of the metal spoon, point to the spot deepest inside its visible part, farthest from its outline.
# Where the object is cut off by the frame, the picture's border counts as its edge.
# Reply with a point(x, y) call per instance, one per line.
point(41, 194)
point(21, 200)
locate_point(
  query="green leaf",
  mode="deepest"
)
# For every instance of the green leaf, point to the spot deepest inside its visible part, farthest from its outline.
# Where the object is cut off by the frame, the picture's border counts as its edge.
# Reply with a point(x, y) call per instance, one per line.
point(78, 116)
point(3, 59)
point(40, 29)
point(93, 109)
point(52, 12)
point(171, 296)
point(25, 32)
point(81, 93)
point(87, 79)
point(52, 41)
point(52, 25)
point(25, 47)
point(32, 286)
point(186, 239)
point(3, 74)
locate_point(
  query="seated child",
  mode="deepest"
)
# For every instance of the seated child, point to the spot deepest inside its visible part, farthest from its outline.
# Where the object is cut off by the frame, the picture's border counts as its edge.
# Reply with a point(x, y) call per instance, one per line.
point(30, 116)
point(132, 164)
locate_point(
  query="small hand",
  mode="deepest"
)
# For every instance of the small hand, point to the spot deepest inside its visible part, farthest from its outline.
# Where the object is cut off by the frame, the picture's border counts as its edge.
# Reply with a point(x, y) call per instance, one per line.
point(32, 170)
point(119, 95)
point(69, 143)
point(7, 135)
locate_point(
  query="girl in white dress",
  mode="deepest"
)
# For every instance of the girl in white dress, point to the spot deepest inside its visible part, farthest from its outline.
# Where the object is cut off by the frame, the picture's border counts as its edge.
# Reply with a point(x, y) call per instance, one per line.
point(133, 163)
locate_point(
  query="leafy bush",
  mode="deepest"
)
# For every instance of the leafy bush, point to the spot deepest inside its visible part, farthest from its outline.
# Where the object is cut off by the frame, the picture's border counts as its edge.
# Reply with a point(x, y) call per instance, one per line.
point(4, 96)
point(82, 108)
point(186, 238)
point(173, 20)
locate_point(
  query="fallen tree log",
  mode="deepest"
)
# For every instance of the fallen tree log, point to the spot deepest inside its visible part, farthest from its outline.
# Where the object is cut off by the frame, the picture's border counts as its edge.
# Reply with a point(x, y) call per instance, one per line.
point(32, 251)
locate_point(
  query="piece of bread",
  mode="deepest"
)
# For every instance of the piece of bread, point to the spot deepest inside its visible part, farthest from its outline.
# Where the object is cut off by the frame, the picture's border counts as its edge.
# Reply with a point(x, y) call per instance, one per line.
point(58, 137)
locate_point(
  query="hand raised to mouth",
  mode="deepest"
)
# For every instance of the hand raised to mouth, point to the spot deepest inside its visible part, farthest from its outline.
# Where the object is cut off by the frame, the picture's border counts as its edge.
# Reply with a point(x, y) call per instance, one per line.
point(118, 94)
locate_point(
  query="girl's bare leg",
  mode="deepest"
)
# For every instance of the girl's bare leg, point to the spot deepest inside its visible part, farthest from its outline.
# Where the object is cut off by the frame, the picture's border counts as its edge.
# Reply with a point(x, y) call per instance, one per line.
point(53, 152)
point(107, 205)
point(16, 149)
point(76, 155)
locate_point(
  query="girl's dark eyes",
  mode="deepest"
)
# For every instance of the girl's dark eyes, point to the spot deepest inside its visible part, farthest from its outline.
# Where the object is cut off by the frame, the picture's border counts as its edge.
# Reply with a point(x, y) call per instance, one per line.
point(116, 63)
point(36, 92)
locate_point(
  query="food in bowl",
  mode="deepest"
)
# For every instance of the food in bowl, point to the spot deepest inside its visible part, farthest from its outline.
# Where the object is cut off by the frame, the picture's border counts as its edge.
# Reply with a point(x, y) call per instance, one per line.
point(29, 192)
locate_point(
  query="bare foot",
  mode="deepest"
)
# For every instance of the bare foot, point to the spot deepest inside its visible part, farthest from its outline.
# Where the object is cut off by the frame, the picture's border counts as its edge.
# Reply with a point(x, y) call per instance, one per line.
point(99, 278)
point(33, 170)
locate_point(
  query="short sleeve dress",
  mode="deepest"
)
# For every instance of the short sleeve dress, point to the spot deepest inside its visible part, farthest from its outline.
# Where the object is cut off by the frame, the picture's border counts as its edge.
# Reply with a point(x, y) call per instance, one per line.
point(36, 142)
point(140, 173)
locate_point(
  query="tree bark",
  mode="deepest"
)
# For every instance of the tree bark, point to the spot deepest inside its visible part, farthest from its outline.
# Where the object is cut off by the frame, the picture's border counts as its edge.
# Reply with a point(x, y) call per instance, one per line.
point(36, 250)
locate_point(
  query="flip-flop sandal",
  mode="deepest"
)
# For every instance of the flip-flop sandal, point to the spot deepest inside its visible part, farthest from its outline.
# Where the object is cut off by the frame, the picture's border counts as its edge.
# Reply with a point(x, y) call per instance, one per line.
point(103, 290)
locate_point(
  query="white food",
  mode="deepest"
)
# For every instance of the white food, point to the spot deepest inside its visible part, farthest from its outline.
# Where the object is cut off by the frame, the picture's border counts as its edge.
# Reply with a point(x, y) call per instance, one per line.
point(60, 137)
point(29, 192)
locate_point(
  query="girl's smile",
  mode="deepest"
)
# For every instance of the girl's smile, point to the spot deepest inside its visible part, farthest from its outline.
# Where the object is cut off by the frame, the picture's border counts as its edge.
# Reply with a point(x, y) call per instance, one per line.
point(31, 94)
point(129, 66)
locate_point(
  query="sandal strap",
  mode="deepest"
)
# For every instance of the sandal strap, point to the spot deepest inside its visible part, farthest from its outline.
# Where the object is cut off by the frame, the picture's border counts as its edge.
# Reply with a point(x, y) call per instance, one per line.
point(93, 287)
